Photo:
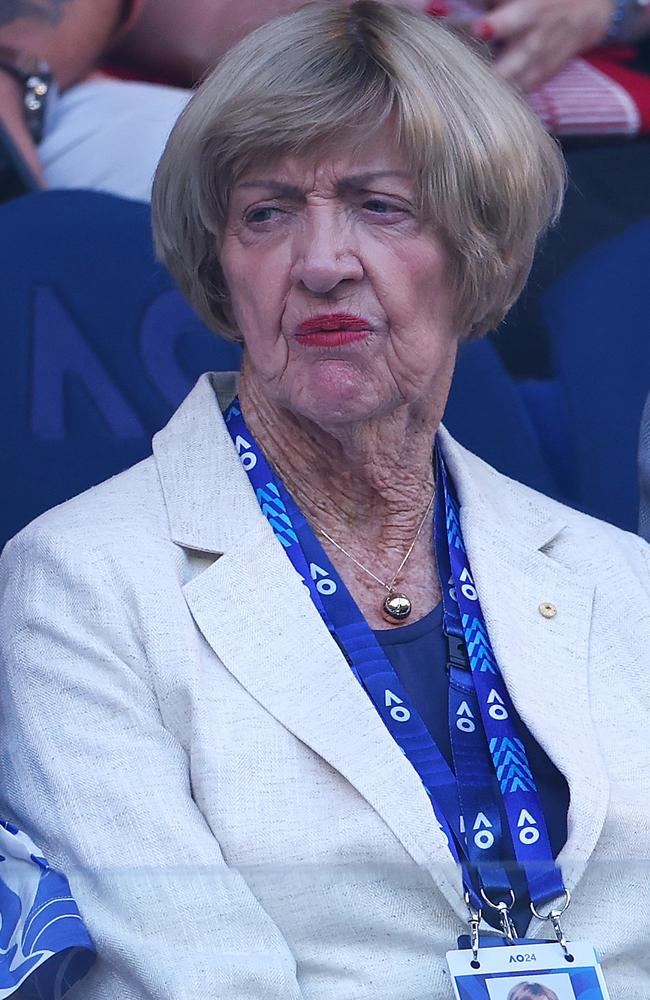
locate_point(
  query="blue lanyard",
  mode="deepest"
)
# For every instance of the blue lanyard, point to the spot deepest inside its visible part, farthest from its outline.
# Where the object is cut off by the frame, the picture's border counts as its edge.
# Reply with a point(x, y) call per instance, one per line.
point(465, 804)
point(463, 619)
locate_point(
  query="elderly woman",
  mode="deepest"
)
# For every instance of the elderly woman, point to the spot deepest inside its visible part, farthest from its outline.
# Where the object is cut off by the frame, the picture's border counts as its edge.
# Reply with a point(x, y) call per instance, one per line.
point(295, 698)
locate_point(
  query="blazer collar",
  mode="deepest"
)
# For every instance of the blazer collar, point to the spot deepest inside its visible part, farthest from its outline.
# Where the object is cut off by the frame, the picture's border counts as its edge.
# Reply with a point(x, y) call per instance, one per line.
point(210, 503)
point(486, 495)
point(258, 618)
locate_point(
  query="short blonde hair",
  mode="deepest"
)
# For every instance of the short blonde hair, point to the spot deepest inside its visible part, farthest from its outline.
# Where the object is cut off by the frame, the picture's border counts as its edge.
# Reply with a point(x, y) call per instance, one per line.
point(532, 991)
point(489, 179)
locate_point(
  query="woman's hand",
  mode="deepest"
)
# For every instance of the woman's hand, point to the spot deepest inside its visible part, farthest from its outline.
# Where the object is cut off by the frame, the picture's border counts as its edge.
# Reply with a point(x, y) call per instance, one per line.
point(540, 36)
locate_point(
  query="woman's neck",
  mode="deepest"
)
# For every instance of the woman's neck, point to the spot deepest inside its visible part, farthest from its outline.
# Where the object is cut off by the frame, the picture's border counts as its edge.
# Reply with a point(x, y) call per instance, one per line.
point(367, 486)
point(346, 476)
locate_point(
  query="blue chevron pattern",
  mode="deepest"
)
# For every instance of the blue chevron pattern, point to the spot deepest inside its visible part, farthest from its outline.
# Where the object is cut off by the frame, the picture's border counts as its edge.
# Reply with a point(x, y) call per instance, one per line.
point(480, 653)
point(453, 526)
point(511, 765)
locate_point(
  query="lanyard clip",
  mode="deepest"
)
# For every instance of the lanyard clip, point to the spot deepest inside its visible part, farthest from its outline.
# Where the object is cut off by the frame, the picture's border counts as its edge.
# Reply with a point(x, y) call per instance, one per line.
point(508, 928)
point(474, 924)
point(456, 652)
point(554, 917)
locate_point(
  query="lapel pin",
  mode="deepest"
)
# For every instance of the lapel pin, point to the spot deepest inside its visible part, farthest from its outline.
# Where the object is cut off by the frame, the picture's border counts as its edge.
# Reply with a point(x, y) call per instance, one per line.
point(547, 610)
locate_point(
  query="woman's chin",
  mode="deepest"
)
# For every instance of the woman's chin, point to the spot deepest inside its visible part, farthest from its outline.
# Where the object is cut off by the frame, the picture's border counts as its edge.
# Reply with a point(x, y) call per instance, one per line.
point(335, 393)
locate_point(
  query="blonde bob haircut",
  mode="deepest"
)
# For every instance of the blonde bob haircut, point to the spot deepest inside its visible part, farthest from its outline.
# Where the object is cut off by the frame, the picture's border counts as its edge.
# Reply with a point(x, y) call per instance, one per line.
point(488, 178)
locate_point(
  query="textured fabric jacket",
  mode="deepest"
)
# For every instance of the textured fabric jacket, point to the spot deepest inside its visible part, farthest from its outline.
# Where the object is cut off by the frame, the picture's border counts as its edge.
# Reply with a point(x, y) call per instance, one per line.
point(644, 472)
point(182, 736)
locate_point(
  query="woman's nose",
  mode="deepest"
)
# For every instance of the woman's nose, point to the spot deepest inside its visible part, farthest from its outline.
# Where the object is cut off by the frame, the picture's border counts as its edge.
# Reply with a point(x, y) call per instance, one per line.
point(324, 253)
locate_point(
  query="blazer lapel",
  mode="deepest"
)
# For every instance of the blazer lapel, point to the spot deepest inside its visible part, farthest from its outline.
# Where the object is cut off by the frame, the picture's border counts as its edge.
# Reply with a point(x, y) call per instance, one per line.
point(256, 614)
point(521, 557)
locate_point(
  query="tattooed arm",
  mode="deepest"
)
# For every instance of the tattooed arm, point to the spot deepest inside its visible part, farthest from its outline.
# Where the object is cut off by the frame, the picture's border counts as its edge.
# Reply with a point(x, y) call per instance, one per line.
point(69, 34)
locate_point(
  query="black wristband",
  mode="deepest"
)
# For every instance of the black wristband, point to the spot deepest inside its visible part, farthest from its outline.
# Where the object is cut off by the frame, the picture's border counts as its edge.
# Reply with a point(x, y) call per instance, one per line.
point(38, 86)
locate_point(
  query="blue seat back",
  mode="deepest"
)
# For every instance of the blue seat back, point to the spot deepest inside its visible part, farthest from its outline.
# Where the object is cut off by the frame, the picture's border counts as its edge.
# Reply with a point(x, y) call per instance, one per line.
point(598, 318)
point(97, 347)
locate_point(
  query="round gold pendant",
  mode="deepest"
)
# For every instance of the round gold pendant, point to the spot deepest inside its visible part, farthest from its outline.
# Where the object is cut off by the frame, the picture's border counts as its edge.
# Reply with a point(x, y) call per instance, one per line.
point(396, 607)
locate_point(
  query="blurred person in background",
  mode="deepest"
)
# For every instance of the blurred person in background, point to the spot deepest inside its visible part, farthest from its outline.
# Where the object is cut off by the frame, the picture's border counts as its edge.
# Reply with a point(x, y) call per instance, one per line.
point(535, 39)
point(89, 89)
point(61, 125)
point(585, 68)
point(238, 678)
point(70, 124)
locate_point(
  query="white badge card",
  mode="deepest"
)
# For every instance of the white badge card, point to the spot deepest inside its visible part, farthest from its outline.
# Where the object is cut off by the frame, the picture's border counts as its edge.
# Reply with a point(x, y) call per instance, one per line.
point(523, 972)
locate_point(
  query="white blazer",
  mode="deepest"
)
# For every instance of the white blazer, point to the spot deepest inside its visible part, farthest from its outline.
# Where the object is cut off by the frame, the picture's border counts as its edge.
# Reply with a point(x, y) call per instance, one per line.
point(182, 737)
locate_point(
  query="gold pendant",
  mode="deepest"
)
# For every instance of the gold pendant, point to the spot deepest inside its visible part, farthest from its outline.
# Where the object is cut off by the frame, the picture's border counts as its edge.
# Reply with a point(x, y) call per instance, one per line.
point(396, 607)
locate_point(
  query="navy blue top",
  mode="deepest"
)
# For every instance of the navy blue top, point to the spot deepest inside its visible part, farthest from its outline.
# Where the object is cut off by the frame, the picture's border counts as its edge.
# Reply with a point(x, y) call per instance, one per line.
point(418, 654)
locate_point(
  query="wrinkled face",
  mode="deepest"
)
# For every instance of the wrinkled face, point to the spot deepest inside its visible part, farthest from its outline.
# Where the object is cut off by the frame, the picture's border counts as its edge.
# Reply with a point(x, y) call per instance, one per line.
point(338, 289)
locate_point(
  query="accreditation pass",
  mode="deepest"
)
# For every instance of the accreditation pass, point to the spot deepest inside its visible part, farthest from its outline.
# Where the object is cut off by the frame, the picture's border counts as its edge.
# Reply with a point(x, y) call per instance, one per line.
point(528, 970)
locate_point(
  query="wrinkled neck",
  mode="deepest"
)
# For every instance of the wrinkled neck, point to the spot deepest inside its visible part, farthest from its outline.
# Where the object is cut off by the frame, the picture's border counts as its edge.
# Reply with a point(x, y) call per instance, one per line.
point(369, 480)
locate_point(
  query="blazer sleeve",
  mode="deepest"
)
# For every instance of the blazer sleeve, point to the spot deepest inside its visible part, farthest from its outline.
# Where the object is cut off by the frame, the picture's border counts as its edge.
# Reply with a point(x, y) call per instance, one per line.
point(89, 770)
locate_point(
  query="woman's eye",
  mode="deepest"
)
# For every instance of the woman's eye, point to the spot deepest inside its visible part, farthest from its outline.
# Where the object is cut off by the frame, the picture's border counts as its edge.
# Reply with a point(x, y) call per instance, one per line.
point(263, 214)
point(378, 206)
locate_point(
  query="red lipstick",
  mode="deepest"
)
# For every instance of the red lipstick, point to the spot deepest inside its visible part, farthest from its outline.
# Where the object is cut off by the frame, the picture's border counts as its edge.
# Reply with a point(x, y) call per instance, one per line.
point(332, 330)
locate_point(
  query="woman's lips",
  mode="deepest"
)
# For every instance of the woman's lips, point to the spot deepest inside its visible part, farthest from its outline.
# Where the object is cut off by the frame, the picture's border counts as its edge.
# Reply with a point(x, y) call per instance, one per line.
point(332, 330)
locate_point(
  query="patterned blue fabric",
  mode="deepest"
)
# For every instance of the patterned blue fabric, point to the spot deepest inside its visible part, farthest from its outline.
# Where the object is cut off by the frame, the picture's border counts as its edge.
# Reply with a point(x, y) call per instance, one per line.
point(496, 720)
point(511, 765)
point(44, 946)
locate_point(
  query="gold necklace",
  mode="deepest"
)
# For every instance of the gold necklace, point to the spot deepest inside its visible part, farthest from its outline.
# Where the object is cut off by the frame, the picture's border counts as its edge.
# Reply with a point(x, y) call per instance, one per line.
point(396, 606)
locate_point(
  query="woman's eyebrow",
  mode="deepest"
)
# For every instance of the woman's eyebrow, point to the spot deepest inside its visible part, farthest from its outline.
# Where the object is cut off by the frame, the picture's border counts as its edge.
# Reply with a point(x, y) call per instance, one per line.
point(362, 180)
point(278, 187)
point(355, 182)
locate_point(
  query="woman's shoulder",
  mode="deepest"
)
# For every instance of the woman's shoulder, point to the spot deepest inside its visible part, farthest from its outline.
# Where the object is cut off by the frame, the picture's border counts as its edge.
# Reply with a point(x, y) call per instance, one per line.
point(607, 552)
point(125, 506)
point(580, 540)
point(101, 566)
point(102, 538)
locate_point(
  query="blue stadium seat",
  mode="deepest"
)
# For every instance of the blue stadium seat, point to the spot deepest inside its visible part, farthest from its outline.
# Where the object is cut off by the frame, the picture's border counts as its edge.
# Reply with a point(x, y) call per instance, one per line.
point(598, 318)
point(487, 413)
point(98, 348)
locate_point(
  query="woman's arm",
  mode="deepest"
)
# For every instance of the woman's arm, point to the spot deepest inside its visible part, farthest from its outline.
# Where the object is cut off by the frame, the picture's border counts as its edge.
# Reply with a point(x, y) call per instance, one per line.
point(13, 120)
point(89, 768)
